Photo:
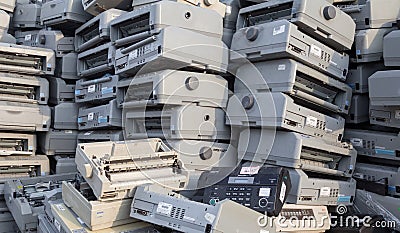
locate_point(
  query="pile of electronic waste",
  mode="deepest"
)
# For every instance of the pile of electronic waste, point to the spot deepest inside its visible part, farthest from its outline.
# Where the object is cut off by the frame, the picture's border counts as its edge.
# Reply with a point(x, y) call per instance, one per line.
point(198, 115)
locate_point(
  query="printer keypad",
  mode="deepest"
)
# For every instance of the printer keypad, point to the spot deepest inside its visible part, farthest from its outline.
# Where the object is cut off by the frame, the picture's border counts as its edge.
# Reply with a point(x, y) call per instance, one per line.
point(239, 194)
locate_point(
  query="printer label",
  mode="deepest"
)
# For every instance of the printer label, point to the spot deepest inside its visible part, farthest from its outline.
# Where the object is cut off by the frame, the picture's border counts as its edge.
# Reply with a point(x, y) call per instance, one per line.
point(357, 142)
point(282, 67)
point(311, 121)
point(342, 198)
point(133, 54)
point(28, 37)
point(209, 217)
point(325, 192)
point(100, 214)
point(397, 114)
point(90, 116)
point(102, 119)
point(91, 88)
point(164, 208)
point(316, 51)
point(278, 30)
point(106, 90)
point(385, 152)
point(249, 170)
point(283, 192)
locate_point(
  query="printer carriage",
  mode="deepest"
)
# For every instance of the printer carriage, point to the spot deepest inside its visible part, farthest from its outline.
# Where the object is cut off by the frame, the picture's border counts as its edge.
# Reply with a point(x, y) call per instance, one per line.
point(114, 169)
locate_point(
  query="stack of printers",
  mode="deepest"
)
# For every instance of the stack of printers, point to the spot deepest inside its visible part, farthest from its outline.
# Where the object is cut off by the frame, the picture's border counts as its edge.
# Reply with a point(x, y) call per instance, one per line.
point(367, 54)
point(47, 25)
point(99, 116)
point(53, 31)
point(290, 97)
point(24, 110)
point(171, 87)
point(59, 143)
point(374, 131)
point(61, 18)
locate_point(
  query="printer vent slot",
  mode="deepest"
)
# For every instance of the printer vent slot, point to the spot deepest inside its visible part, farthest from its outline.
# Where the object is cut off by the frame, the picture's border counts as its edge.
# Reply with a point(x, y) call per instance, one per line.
point(280, 11)
point(134, 26)
point(177, 213)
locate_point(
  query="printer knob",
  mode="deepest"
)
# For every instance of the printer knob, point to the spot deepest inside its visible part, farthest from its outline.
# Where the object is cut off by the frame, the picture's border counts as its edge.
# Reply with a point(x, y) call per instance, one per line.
point(248, 101)
point(252, 33)
point(210, 2)
point(192, 83)
point(329, 12)
point(205, 153)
